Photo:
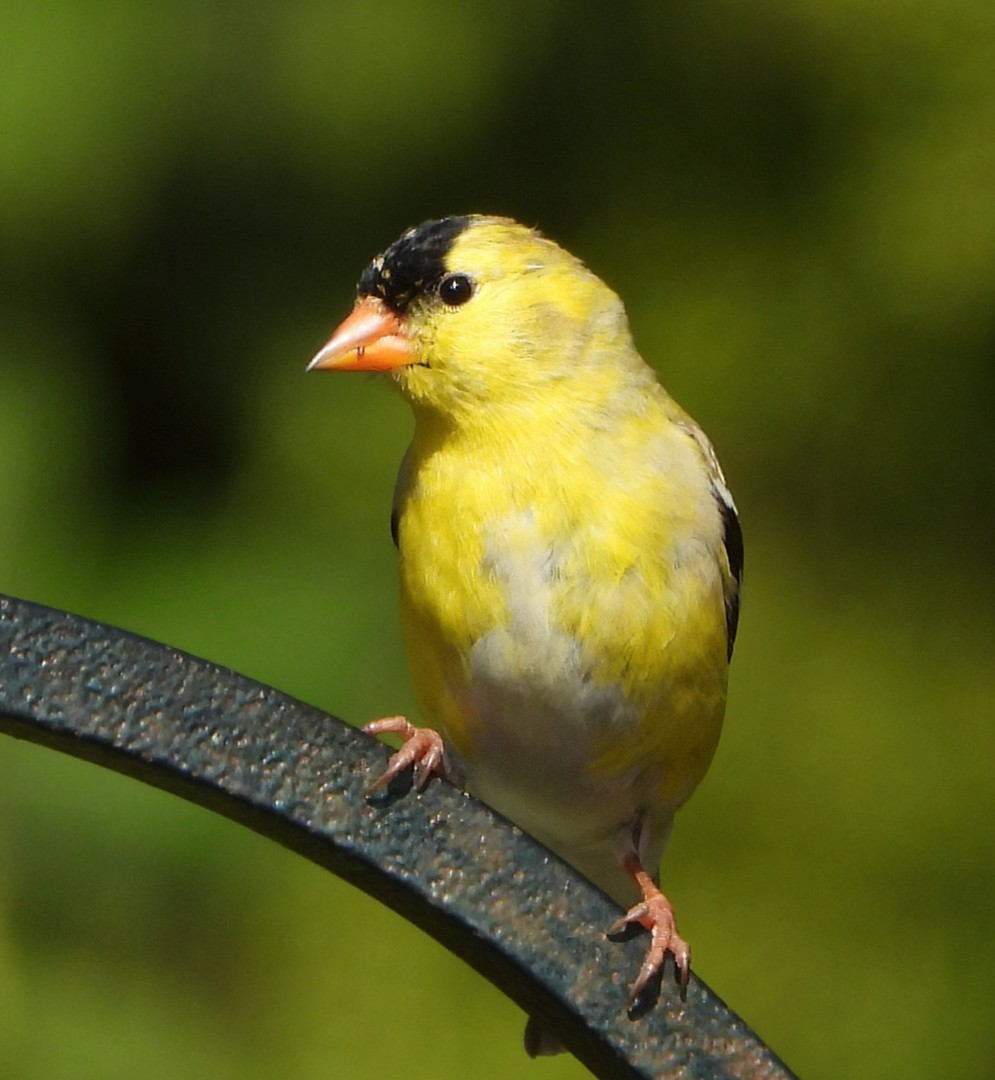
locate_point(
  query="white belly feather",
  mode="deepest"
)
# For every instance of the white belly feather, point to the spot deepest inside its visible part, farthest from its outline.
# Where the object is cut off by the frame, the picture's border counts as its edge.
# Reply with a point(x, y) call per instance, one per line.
point(539, 714)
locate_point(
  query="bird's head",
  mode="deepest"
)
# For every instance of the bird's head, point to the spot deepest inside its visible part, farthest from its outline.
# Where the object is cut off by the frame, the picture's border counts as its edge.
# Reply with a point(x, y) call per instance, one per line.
point(472, 311)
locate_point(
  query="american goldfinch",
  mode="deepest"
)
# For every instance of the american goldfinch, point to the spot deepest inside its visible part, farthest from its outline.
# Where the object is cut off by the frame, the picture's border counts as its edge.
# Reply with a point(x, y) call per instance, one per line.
point(570, 555)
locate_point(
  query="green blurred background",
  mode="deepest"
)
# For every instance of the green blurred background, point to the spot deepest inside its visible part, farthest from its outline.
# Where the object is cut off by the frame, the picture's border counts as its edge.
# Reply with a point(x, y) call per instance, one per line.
point(797, 202)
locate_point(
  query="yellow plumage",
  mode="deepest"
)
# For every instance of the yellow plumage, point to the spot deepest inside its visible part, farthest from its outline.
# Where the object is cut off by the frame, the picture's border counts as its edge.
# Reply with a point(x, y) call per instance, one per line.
point(569, 556)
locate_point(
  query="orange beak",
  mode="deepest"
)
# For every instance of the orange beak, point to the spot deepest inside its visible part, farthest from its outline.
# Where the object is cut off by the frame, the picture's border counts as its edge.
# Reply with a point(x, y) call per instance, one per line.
point(370, 339)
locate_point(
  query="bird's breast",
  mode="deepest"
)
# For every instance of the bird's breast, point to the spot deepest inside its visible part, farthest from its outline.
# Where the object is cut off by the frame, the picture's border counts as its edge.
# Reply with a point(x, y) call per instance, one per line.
point(567, 638)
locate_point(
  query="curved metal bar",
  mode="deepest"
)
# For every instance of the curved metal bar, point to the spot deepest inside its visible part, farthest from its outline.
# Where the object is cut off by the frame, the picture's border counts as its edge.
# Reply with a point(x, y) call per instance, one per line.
point(443, 860)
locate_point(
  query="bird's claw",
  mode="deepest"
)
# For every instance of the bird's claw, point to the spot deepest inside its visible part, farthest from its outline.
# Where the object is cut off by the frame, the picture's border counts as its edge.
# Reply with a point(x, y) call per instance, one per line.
point(422, 749)
point(656, 915)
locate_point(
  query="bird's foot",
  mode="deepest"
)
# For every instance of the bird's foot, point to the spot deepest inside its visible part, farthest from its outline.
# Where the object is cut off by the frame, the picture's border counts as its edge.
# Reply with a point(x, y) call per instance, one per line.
point(655, 914)
point(422, 748)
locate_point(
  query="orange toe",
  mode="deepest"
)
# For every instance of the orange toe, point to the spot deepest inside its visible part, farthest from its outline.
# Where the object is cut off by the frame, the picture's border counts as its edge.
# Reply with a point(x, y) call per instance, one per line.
point(422, 749)
point(656, 914)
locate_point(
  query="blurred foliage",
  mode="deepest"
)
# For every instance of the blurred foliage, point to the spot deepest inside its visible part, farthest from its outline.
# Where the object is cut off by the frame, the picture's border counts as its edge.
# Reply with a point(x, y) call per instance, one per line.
point(796, 202)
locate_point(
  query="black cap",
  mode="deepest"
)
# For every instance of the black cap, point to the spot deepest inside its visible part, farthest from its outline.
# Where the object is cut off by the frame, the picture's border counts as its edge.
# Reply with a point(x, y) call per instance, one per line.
point(412, 264)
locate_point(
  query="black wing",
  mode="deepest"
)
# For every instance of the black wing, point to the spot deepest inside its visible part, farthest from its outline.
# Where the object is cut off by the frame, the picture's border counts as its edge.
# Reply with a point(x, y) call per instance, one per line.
point(732, 538)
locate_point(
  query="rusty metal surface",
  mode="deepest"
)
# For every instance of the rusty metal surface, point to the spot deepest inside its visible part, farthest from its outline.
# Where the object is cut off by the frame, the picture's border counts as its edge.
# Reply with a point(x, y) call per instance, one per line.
point(446, 862)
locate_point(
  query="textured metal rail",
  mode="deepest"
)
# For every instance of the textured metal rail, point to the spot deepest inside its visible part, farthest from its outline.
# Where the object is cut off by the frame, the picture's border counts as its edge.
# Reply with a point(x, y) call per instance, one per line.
point(443, 860)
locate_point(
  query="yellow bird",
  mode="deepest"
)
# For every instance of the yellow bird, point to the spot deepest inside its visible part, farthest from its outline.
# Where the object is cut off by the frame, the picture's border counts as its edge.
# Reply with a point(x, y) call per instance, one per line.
point(570, 555)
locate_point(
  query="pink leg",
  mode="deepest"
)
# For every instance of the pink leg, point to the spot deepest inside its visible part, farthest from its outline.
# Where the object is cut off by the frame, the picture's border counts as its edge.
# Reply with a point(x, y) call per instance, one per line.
point(656, 914)
point(422, 748)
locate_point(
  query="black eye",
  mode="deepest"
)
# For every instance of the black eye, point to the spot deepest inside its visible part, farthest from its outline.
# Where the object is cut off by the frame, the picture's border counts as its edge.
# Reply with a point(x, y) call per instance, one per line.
point(455, 289)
